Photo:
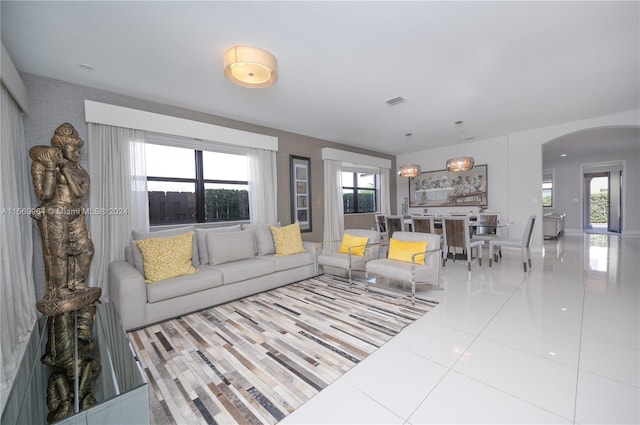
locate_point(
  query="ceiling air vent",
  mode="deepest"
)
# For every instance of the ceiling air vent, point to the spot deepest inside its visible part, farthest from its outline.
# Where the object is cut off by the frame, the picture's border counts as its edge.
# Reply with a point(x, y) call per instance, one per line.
point(394, 101)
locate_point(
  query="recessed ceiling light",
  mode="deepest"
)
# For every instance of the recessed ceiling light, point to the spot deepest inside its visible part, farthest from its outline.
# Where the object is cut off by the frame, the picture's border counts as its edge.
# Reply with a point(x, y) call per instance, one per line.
point(563, 155)
point(86, 67)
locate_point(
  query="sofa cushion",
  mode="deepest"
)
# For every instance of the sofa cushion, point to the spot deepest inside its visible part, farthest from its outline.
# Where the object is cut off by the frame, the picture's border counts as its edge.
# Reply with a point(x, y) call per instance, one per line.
point(201, 239)
point(287, 239)
point(205, 278)
point(238, 271)
point(231, 246)
point(137, 235)
point(287, 262)
point(167, 257)
point(263, 236)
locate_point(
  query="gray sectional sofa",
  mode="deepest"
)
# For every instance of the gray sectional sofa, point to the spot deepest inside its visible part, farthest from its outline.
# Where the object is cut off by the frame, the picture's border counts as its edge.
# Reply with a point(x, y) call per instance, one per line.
point(232, 262)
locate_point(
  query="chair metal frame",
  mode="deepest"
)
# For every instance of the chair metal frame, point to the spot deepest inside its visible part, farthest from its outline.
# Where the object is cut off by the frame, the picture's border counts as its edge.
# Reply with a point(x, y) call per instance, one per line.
point(327, 253)
point(405, 271)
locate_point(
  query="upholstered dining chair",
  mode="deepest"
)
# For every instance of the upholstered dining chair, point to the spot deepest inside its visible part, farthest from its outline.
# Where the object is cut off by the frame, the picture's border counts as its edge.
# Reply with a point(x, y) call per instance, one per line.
point(351, 253)
point(422, 224)
point(381, 226)
point(486, 228)
point(394, 223)
point(524, 244)
point(408, 264)
point(457, 234)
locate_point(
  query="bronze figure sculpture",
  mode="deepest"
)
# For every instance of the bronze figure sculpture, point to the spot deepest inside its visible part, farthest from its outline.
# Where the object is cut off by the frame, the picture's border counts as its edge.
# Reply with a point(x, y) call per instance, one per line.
point(60, 182)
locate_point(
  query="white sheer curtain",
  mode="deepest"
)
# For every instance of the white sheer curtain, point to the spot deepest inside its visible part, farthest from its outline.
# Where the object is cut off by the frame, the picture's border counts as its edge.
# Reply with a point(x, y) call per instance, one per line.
point(118, 199)
point(17, 290)
point(262, 186)
point(333, 206)
point(385, 197)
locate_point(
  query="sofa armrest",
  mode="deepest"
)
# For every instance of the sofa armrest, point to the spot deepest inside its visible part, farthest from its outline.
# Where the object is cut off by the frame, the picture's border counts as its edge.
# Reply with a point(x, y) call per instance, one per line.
point(312, 248)
point(128, 292)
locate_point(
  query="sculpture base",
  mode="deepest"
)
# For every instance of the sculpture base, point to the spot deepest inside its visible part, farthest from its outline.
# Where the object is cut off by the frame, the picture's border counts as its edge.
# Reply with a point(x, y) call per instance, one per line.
point(73, 301)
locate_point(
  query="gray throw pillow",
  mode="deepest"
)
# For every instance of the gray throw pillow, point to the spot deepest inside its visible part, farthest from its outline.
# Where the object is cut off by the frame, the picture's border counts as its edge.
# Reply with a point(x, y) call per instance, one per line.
point(201, 238)
point(263, 236)
point(231, 246)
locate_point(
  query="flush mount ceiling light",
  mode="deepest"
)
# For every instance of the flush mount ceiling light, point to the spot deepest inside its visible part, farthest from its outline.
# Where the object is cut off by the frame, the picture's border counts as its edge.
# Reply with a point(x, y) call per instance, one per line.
point(249, 66)
point(460, 163)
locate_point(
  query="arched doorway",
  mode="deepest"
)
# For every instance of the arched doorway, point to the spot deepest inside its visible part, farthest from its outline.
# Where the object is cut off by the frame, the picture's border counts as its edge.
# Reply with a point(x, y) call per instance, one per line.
point(586, 170)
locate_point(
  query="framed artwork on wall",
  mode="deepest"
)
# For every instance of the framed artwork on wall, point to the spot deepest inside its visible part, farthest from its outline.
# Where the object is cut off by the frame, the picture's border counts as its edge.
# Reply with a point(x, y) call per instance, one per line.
point(300, 171)
point(442, 188)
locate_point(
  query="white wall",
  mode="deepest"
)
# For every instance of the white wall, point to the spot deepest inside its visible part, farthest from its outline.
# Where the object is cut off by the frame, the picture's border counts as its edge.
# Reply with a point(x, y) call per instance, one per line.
point(568, 187)
point(515, 168)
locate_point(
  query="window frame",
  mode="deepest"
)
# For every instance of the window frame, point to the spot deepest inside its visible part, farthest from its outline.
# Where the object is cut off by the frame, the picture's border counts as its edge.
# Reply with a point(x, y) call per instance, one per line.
point(199, 182)
point(355, 189)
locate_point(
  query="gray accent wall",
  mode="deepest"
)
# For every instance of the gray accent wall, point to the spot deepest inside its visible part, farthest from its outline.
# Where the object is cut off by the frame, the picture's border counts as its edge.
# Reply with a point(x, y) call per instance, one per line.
point(52, 102)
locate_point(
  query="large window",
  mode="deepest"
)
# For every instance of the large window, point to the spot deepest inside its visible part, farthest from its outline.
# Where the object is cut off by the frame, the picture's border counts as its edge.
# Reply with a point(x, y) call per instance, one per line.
point(359, 192)
point(194, 186)
point(547, 188)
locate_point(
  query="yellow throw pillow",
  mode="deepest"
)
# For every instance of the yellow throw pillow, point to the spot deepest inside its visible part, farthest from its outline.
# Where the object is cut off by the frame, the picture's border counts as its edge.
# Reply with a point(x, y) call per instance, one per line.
point(168, 257)
point(403, 250)
point(357, 244)
point(287, 239)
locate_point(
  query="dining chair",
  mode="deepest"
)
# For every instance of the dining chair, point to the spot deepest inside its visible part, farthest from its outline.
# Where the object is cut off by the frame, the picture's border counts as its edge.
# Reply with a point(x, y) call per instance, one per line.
point(457, 234)
point(486, 228)
point(524, 244)
point(394, 223)
point(381, 226)
point(331, 259)
point(422, 224)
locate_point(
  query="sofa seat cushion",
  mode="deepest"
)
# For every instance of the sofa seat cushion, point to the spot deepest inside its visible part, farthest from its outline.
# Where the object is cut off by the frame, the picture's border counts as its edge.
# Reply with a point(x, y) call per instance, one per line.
point(245, 269)
point(288, 262)
point(205, 278)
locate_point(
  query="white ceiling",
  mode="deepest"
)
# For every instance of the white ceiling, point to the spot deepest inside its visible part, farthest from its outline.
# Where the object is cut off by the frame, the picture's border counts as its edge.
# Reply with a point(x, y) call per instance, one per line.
point(501, 67)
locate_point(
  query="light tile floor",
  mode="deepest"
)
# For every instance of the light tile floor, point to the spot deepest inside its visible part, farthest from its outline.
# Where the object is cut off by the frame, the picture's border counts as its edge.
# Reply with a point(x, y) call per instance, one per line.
point(560, 344)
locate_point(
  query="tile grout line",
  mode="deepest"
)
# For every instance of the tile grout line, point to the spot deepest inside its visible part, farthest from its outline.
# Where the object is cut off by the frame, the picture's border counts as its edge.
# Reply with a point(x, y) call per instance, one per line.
point(466, 349)
point(584, 299)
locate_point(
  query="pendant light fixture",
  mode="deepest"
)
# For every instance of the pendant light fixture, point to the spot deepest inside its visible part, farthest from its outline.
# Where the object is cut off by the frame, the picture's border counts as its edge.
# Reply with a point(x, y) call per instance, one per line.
point(460, 163)
point(409, 170)
point(249, 66)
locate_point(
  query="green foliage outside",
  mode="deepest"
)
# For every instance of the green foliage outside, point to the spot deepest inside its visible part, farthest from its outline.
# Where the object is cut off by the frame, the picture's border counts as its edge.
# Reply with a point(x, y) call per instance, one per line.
point(599, 207)
point(366, 202)
point(226, 204)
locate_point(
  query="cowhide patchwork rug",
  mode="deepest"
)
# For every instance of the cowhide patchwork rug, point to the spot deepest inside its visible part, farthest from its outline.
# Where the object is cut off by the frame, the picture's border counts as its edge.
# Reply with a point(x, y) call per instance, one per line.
point(255, 360)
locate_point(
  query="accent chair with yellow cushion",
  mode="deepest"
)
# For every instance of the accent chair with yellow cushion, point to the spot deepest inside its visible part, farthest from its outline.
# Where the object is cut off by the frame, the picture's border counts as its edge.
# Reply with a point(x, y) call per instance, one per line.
point(412, 257)
point(349, 254)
